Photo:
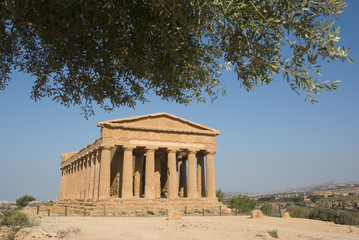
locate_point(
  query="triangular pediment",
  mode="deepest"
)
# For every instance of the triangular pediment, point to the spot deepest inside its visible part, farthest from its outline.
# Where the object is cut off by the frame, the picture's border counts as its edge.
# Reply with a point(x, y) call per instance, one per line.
point(159, 122)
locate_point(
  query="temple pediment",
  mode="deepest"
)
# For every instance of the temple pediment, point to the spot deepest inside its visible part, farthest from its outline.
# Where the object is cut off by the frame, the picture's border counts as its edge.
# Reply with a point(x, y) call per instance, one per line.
point(159, 122)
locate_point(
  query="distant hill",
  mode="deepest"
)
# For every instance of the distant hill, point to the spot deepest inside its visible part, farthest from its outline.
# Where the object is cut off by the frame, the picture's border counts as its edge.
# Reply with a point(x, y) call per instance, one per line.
point(327, 187)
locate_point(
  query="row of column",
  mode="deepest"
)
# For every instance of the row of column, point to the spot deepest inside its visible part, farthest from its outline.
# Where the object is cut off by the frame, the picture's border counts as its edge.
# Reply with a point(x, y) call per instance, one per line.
point(88, 178)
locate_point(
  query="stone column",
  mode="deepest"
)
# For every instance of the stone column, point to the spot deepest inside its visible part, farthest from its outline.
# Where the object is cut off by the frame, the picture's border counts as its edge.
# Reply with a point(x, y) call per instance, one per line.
point(76, 183)
point(80, 178)
point(201, 186)
point(91, 177)
point(183, 178)
point(64, 196)
point(127, 180)
point(88, 180)
point(85, 178)
point(192, 175)
point(97, 175)
point(105, 172)
point(71, 185)
point(61, 184)
point(138, 174)
point(211, 186)
point(172, 192)
point(158, 160)
point(150, 173)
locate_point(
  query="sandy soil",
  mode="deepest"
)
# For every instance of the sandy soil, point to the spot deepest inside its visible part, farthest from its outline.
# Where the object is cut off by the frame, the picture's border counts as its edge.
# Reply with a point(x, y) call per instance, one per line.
point(191, 228)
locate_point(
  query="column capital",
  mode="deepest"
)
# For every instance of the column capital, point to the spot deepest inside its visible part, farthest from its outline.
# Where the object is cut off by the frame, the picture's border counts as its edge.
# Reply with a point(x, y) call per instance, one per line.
point(210, 152)
point(192, 150)
point(201, 154)
point(139, 153)
point(171, 150)
point(106, 147)
point(150, 149)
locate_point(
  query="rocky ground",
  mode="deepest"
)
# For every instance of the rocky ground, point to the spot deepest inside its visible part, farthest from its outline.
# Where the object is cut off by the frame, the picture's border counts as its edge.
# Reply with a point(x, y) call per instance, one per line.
point(189, 228)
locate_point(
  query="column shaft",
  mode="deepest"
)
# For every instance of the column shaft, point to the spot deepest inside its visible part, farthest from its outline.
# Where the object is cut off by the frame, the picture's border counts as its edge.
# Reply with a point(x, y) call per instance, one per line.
point(65, 183)
point(127, 180)
point(61, 185)
point(138, 174)
point(200, 176)
point(150, 174)
point(97, 176)
point(157, 176)
point(183, 178)
point(211, 186)
point(91, 177)
point(105, 172)
point(85, 179)
point(172, 175)
point(79, 180)
point(71, 185)
point(192, 181)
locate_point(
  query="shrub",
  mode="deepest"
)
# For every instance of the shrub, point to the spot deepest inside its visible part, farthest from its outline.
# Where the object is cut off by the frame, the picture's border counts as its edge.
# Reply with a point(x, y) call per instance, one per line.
point(10, 235)
point(324, 214)
point(220, 196)
point(298, 212)
point(339, 217)
point(316, 198)
point(273, 233)
point(267, 198)
point(345, 218)
point(24, 200)
point(267, 208)
point(14, 218)
point(242, 202)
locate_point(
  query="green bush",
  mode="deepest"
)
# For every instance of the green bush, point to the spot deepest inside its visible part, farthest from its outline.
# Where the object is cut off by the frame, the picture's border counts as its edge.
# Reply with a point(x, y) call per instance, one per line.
point(324, 214)
point(267, 208)
point(315, 198)
point(346, 219)
point(243, 203)
point(273, 233)
point(266, 199)
point(220, 196)
point(14, 218)
point(298, 212)
point(339, 217)
point(24, 200)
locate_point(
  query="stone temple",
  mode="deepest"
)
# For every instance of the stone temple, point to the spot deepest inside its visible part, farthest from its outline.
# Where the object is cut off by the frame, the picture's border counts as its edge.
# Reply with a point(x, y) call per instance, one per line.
point(157, 161)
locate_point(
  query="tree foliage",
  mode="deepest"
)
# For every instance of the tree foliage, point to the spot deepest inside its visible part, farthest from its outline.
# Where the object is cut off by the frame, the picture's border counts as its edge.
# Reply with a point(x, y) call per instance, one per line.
point(339, 217)
point(298, 212)
point(243, 203)
point(315, 198)
point(267, 198)
point(115, 53)
point(220, 196)
point(24, 200)
point(267, 208)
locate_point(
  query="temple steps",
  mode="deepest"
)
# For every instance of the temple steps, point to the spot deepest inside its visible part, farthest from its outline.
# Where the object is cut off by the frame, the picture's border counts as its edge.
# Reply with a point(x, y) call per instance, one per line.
point(141, 207)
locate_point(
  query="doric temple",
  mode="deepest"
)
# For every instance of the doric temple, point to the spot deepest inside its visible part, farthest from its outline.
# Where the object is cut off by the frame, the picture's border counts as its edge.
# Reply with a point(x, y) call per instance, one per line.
point(155, 156)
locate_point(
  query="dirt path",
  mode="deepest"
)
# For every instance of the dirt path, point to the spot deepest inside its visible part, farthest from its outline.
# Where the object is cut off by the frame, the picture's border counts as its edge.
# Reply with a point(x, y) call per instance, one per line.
point(191, 228)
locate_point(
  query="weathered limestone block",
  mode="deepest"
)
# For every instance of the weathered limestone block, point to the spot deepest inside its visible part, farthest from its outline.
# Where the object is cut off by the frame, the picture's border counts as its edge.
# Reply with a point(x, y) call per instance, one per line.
point(173, 215)
point(256, 214)
point(286, 215)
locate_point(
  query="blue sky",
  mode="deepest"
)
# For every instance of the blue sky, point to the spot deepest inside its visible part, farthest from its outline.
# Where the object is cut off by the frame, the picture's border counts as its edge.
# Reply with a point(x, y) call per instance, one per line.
point(270, 138)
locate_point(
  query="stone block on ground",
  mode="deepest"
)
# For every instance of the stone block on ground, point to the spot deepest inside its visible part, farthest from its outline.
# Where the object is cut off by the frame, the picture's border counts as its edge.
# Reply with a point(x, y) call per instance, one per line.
point(286, 215)
point(173, 215)
point(256, 214)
